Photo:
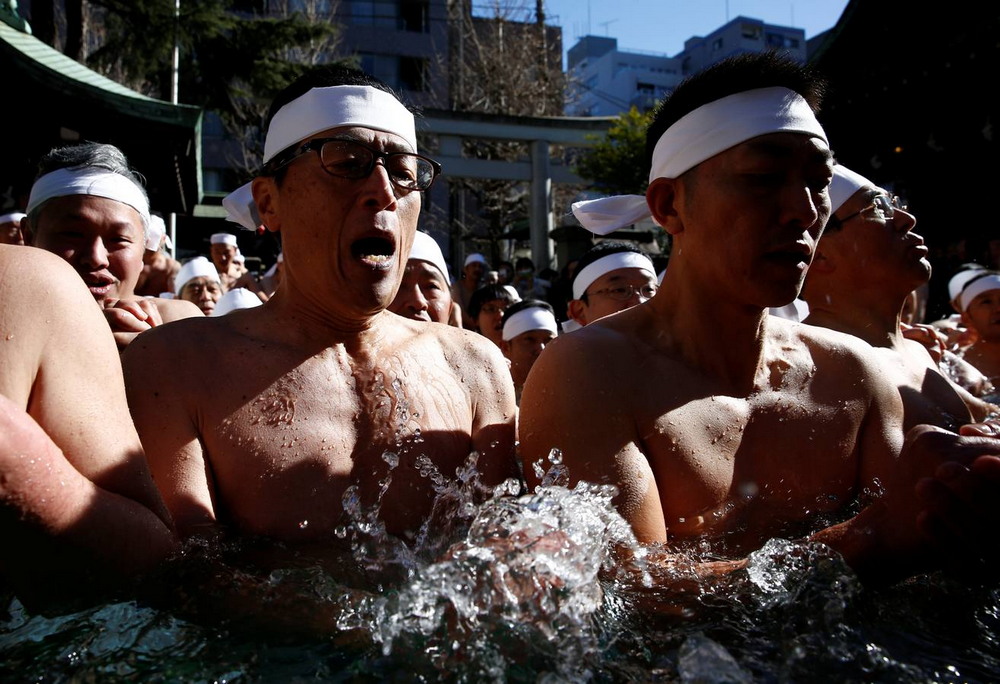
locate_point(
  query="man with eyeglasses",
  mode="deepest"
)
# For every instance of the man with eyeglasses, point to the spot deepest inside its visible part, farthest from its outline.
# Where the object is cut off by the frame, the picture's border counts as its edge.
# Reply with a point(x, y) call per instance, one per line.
point(262, 419)
point(611, 276)
point(721, 426)
point(866, 264)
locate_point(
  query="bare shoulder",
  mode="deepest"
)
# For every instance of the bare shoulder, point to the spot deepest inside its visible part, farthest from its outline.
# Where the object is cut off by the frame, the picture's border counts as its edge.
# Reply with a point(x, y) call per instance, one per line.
point(38, 276)
point(169, 350)
point(827, 344)
point(176, 309)
point(459, 346)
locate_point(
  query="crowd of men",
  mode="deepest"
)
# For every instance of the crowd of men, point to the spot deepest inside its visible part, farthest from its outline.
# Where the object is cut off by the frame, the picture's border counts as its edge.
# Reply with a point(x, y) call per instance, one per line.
point(719, 422)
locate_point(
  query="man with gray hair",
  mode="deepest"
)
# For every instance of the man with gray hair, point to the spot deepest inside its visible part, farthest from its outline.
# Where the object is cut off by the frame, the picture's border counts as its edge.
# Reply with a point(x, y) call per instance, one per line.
point(88, 206)
point(263, 419)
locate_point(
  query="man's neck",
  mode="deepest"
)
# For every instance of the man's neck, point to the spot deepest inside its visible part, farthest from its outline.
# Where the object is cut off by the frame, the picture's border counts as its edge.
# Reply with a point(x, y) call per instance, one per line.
point(879, 328)
point(302, 319)
point(722, 339)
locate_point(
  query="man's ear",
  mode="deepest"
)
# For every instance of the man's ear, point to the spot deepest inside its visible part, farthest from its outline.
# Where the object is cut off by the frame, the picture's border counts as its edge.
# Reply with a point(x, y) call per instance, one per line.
point(27, 232)
point(265, 196)
point(662, 196)
point(576, 308)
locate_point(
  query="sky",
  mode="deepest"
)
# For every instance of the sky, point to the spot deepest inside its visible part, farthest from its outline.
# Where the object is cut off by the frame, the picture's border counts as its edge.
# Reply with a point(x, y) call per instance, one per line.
point(662, 26)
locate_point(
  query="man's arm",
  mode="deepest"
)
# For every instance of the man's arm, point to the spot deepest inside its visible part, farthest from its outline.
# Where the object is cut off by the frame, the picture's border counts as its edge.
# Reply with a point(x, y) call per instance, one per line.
point(75, 481)
point(161, 407)
point(889, 539)
point(567, 404)
point(494, 411)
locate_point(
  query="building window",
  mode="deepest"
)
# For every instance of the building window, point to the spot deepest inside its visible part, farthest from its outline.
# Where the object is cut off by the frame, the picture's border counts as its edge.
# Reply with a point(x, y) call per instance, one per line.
point(716, 44)
point(413, 74)
point(751, 31)
point(374, 13)
point(413, 15)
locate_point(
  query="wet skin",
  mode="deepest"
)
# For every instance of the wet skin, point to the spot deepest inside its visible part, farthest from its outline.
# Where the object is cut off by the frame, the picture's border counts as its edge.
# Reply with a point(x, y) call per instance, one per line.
point(278, 409)
point(725, 430)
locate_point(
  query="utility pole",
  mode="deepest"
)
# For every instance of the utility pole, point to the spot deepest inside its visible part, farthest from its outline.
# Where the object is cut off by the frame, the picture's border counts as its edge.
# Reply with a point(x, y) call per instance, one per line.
point(174, 88)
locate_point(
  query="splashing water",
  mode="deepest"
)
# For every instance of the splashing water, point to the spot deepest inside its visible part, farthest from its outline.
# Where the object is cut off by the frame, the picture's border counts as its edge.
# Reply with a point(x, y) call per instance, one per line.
point(507, 585)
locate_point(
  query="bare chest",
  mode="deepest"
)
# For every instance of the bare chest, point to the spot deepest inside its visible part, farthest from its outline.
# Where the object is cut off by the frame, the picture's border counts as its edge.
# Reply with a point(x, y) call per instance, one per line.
point(286, 447)
point(746, 467)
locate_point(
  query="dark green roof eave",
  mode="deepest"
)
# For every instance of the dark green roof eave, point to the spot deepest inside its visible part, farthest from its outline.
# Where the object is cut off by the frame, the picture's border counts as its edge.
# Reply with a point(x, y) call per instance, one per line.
point(51, 68)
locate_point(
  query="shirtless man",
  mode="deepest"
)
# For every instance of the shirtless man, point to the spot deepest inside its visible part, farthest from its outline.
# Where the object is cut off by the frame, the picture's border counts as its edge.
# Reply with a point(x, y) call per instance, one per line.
point(425, 293)
point(78, 508)
point(473, 272)
point(719, 424)
point(262, 418)
point(866, 264)
point(528, 326)
point(198, 282)
point(88, 207)
point(158, 268)
point(611, 276)
point(225, 253)
point(980, 302)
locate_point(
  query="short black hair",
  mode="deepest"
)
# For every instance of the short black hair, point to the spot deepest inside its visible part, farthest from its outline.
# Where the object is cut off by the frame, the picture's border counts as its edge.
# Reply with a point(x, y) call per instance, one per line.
point(526, 304)
point(603, 249)
point(488, 293)
point(736, 74)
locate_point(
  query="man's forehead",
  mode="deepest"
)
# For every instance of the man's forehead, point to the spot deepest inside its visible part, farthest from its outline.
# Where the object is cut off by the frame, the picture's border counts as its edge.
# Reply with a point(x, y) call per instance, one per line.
point(784, 145)
point(620, 274)
point(424, 268)
point(369, 136)
point(81, 207)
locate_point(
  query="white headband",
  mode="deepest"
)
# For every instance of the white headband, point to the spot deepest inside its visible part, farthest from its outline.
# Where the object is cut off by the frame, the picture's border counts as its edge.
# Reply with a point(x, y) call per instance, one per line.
point(90, 181)
point(526, 320)
point(223, 239)
point(12, 217)
point(960, 279)
point(977, 287)
point(612, 262)
point(426, 248)
point(157, 230)
point(237, 298)
point(335, 107)
point(844, 184)
point(240, 207)
point(198, 267)
point(700, 135)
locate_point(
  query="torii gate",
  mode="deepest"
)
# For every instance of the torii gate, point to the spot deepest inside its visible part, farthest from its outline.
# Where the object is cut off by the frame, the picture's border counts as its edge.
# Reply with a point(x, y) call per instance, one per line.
point(538, 133)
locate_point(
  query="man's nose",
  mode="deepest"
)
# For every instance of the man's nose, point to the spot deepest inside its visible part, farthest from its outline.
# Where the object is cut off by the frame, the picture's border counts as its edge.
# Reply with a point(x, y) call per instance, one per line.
point(417, 299)
point(94, 255)
point(903, 221)
point(802, 205)
point(378, 188)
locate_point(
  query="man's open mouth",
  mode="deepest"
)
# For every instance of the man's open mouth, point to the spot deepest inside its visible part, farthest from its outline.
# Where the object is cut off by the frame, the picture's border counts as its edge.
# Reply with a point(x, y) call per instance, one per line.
point(98, 286)
point(375, 251)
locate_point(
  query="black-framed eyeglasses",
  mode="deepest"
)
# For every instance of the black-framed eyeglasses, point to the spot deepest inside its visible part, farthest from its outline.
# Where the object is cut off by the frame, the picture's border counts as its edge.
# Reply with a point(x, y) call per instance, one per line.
point(882, 206)
point(623, 293)
point(354, 160)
